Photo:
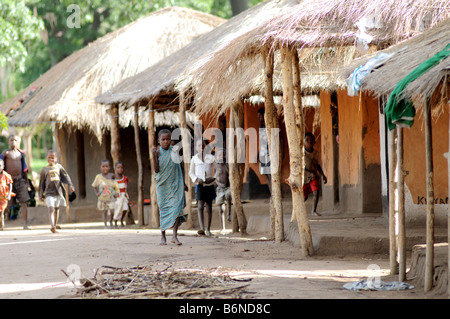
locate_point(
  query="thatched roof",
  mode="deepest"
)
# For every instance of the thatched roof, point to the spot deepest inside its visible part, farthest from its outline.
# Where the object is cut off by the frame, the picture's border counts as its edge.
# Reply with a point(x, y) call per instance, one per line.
point(67, 91)
point(162, 80)
point(325, 33)
point(407, 55)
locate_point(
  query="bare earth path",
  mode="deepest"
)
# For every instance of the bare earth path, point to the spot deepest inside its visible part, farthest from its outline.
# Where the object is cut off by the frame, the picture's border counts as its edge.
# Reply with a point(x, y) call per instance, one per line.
point(32, 261)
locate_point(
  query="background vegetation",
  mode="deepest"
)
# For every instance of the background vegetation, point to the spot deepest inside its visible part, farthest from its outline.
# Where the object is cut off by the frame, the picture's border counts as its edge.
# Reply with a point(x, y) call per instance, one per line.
point(35, 36)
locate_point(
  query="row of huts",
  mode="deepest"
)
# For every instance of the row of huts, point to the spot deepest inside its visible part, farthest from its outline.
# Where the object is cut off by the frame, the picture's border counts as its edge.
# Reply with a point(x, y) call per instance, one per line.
point(297, 56)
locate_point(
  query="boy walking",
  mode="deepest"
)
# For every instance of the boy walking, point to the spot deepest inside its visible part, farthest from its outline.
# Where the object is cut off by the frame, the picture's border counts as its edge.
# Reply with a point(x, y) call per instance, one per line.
point(313, 171)
point(15, 165)
point(51, 188)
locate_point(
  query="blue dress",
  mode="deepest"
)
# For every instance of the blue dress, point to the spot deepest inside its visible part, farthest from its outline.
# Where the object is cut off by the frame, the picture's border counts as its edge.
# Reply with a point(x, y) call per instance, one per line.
point(169, 190)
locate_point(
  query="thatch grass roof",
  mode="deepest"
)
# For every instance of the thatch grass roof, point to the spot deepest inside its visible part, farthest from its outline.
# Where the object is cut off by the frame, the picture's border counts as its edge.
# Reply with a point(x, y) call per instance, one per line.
point(68, 90)
point(407, 55)
point(325, 33)
point(162, 81)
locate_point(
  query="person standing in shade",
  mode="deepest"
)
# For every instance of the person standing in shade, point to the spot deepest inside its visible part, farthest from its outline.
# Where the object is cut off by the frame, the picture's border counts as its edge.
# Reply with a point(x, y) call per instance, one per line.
point(15, 165)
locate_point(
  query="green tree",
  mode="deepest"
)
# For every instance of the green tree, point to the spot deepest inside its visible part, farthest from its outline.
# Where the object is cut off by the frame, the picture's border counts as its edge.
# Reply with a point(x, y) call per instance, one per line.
point(17, 25)
point(96, 18)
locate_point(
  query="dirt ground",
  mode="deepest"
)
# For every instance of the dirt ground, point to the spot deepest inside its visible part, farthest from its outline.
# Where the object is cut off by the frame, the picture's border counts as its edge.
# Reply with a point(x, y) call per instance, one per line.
point(32, 262)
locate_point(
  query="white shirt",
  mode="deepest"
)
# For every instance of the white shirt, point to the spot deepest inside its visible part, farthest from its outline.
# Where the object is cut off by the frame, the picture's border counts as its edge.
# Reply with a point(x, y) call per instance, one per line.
point(201, 169)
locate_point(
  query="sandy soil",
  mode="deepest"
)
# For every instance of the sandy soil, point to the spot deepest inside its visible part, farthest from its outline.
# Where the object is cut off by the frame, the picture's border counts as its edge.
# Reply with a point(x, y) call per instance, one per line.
point(32, 261)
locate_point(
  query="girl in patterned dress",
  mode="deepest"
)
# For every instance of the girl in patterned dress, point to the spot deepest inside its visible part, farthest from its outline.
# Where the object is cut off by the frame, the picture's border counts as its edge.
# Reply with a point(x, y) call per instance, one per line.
point(107, 191)
point(121, 209)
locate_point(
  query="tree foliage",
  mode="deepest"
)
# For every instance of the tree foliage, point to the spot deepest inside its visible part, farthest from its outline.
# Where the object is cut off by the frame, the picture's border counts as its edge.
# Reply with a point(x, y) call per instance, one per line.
point(62, 34)
point(17, 25)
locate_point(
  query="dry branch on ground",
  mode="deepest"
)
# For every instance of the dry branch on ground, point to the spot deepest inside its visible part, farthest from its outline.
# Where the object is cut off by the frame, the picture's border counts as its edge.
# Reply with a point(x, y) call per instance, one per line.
point(148, 282)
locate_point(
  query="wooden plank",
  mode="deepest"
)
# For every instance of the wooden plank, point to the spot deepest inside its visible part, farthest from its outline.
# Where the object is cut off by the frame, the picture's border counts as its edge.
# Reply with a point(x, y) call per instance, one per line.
point(429, 256)
point(139, 165)
point(151, 143)
point(401, 207)
point(392, 211)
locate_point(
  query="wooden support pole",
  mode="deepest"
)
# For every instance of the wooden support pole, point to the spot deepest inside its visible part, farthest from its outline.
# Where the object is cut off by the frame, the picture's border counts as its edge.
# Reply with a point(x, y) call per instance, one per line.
point(296, 148)
point(236, 169)
point(392, 212)
point(448, 210)
point(429, 254)
point(185, 139)
point(401, 207)
point(137, 143)
point(151, 143)
point(271, 120)
point(115, 135)
point(300, 119)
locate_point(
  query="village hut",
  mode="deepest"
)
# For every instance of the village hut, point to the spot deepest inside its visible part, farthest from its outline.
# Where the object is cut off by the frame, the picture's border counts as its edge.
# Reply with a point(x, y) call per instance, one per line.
point(65, 95)
point(420, 148)
point(159, 83)
point(323, 35)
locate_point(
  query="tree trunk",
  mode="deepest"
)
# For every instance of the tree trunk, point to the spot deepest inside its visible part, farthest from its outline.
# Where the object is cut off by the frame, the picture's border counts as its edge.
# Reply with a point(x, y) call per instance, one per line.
point(392, 223)
point(236, 169)
point(429, 256)
point(300, 119)
point(115, 135)
point(152, 143)
point(296, 147)
point(401, 207)
point(186, 158)
point(271, 120)
point(140, 204)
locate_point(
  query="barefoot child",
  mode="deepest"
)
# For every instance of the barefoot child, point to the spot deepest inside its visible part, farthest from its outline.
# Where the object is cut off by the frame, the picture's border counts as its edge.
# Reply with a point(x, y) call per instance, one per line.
point(106, 190)
point(51, 188)
point(6, 183)
point(15, 165)
point(121, 209)
point(313, 171)
point(170, 187)
point(223, 187)
point(200, 172)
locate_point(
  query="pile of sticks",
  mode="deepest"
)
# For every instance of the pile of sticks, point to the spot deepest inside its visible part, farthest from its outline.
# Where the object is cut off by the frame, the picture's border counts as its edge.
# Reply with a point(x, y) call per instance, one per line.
point(145, 282)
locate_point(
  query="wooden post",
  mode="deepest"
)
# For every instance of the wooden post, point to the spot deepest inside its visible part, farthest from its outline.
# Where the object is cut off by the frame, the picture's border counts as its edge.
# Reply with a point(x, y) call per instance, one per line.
point(236, 169)
point(448, 210)
point(139, 164)
point(392, 186)
point(429, 255)
point(300, 119)
point(296, 147)
point(271, 120)
point(186, 158)
point(401, 207)
point(152, 143)
point(115, 135)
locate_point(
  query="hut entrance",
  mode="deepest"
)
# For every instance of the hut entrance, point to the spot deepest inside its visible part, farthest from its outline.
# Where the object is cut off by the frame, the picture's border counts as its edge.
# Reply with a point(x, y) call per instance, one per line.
point(335, 135)
point(81, 168)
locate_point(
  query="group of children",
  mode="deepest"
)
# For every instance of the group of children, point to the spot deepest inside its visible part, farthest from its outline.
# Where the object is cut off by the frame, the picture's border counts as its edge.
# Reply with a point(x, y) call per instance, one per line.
point(111, 191)
point(170, 184)
point(111, 188)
